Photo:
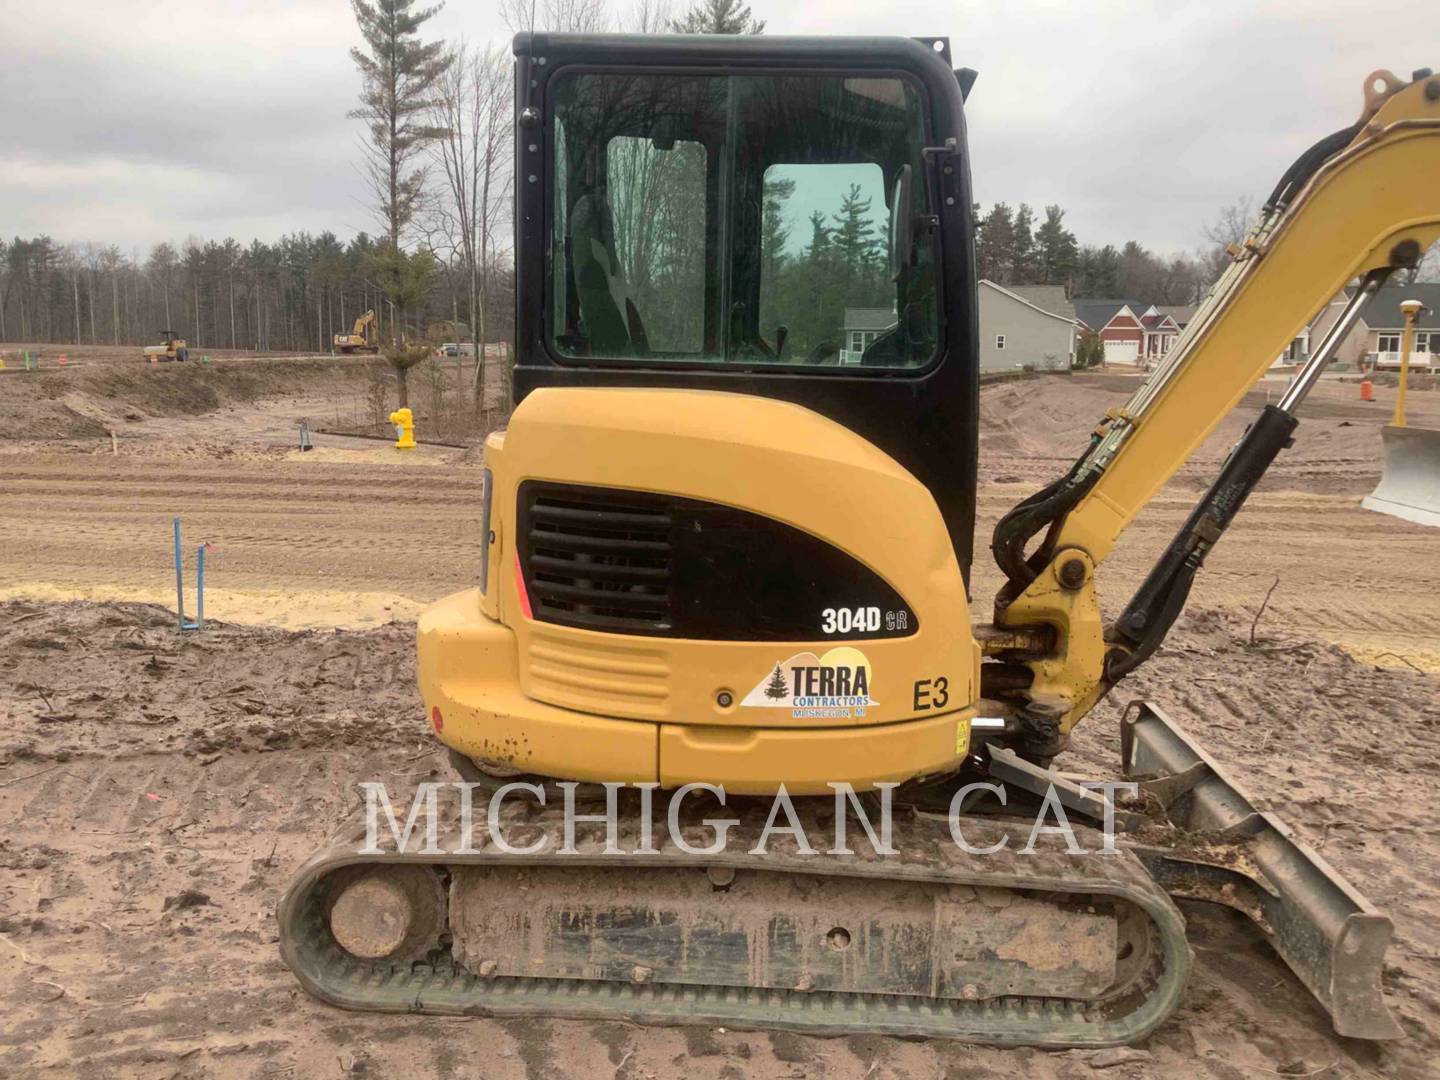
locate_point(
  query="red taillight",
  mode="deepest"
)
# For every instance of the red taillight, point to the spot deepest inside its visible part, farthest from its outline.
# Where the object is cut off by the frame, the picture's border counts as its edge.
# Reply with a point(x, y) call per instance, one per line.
point(520, 588)
point(436, 720)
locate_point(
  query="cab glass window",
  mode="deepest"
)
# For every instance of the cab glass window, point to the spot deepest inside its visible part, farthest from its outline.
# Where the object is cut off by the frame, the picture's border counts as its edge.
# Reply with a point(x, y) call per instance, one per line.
point(755, 220)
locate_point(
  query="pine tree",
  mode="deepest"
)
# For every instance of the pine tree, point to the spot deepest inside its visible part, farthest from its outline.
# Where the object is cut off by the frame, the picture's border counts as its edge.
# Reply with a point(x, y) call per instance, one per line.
point(1025, 269)
point(1099, 273)
point(399, 74)
point(1059, 255)
point(853, 236)
point(777, 688)
point(718, 17)
point(995, 245)
point(819, 237)
point(774, 237)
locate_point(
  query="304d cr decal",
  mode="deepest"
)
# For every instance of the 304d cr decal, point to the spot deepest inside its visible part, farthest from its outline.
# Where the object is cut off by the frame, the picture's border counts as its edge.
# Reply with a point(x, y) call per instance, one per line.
point(835, 686)
point(864, 620)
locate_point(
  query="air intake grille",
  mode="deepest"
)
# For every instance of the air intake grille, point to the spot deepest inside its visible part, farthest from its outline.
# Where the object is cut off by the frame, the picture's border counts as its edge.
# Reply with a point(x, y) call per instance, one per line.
point(597, 558)
point(635, 562)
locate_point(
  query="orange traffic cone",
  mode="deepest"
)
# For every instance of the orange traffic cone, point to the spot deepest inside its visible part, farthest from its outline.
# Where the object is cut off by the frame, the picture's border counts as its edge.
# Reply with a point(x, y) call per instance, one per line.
point(62, 359)
point(1367, 390)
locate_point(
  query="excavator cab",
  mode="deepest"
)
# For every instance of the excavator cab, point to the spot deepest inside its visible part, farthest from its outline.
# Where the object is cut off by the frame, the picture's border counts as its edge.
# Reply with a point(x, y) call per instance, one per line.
point(788, 219)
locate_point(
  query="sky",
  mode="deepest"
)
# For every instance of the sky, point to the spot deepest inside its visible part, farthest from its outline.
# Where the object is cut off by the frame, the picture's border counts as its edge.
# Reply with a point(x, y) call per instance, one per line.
point(133, 122)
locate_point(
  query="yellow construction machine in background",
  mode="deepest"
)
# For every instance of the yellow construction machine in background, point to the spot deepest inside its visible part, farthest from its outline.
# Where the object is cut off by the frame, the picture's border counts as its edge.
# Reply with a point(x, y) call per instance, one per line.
point(362, 337)
point(171, 347)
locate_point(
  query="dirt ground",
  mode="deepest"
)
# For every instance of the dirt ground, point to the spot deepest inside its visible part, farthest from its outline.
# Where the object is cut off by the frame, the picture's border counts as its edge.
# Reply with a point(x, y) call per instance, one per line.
point(156, 790)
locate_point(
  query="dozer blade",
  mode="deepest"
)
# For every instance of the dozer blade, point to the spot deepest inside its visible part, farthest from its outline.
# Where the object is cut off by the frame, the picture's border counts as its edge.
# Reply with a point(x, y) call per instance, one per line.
point(1409, 487)
point(1230, 852)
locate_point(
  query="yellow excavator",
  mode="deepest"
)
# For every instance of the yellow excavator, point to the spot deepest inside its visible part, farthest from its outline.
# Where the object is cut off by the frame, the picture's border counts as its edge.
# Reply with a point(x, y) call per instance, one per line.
point(725, 554)
point(362, 336)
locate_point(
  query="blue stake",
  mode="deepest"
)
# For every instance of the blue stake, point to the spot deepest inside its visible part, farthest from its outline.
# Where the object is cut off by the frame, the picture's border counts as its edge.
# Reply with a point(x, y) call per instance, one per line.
point(180, 585)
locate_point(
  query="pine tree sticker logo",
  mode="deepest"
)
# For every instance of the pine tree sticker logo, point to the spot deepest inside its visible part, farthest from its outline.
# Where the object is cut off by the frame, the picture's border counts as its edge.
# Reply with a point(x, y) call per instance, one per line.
point(778, 687)
point(835, 686)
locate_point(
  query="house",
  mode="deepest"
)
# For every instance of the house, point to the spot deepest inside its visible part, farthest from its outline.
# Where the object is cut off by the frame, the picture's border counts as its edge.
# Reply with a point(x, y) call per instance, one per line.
point(1376, 338)
point(1181, 313)
point(1385, 325)
point(1132, 333)
point(862, 326)
point(1025, 327)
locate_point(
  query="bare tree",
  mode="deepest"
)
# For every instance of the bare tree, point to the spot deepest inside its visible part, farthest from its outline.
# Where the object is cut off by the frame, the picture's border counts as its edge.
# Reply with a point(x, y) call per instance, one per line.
point(557, 16)
point(163, 261)
point(473, 108)
point(1429, 268)
point(112, 262)
point(1231, 225)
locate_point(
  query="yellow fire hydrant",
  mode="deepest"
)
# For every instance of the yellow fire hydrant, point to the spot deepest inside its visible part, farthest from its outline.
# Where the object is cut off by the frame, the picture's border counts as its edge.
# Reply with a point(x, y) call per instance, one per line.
point(404, 421)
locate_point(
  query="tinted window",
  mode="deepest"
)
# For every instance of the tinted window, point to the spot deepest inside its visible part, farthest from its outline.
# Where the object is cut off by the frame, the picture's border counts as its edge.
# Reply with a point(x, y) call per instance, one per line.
point(751, 219)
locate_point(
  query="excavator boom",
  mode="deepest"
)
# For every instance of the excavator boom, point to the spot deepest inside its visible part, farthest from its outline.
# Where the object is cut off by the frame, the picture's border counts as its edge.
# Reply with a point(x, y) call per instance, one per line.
point(1361, 204)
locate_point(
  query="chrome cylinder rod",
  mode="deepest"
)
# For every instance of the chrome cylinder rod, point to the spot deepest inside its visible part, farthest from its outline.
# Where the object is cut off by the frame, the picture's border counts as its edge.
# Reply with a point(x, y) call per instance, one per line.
point(1309, 375)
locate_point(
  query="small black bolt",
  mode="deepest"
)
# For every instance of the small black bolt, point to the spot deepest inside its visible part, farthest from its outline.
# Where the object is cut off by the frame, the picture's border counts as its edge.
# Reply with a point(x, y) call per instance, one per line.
point(1072, 573)
point(1432, 90)
point(724, 699)
point(530, 117)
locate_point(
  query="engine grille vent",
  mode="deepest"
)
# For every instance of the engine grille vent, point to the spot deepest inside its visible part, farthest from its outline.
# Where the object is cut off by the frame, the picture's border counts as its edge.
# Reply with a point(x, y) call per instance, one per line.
point(597, 558)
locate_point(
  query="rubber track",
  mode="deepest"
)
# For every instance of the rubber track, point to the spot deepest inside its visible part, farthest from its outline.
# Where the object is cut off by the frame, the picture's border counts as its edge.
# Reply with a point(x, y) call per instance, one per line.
point(439, 985)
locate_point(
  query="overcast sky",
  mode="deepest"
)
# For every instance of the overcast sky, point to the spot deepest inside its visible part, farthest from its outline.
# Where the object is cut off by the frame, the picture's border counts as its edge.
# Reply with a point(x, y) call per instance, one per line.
point(135, 121)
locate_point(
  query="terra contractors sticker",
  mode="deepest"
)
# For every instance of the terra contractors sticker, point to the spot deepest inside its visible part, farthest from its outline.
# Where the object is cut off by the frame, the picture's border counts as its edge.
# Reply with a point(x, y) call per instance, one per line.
point(835, 686)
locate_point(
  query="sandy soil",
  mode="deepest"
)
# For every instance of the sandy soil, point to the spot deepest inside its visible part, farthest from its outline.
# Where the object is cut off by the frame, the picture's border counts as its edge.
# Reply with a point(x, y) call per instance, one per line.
point(157, 789)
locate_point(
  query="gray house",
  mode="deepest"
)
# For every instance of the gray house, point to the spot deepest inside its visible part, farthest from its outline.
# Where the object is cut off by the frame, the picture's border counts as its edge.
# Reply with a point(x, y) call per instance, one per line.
point(1025, 326)
point(862, 326)
point(1375, 340)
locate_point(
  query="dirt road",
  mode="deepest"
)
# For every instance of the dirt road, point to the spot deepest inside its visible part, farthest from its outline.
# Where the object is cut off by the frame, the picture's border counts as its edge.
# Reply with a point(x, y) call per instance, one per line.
point(355, 533)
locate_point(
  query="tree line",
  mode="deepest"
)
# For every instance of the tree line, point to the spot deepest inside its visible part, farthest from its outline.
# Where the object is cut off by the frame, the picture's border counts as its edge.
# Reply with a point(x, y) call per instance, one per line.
point(1012, 248)
point(290, 295)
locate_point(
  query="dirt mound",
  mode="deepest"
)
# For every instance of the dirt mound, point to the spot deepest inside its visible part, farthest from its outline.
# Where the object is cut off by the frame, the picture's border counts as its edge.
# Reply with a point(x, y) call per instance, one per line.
point(1031, 430)
point(104, 679)
point(87, 402)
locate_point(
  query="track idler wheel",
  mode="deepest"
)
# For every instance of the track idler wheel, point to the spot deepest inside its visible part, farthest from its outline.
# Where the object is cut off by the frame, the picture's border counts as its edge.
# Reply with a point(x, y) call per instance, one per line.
point(388, 912)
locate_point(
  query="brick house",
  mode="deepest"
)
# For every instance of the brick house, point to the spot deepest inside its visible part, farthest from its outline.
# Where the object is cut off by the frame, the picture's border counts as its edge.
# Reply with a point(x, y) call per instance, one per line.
point(1132, 333)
